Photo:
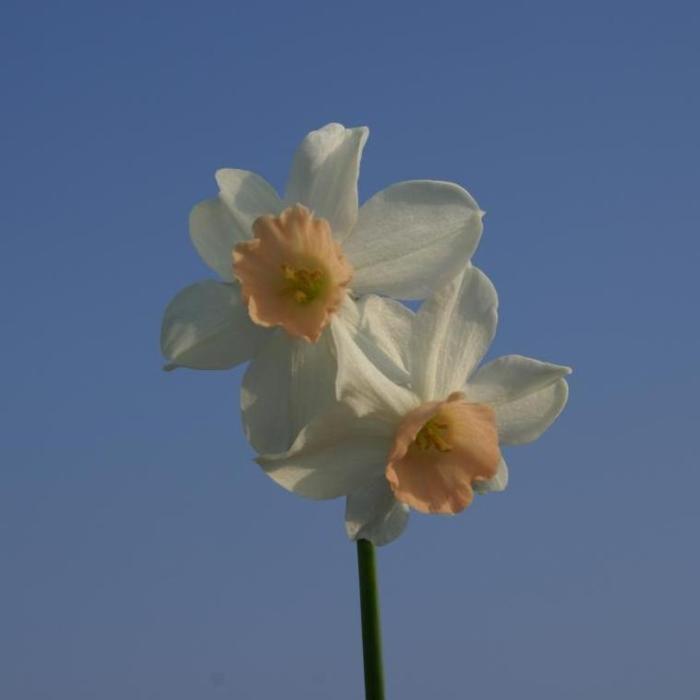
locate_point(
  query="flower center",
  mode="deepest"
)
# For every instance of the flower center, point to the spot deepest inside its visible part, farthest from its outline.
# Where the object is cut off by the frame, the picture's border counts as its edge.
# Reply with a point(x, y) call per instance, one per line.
point(292, 272)
point(304, 285)
point(440, 449)
point(434, 435)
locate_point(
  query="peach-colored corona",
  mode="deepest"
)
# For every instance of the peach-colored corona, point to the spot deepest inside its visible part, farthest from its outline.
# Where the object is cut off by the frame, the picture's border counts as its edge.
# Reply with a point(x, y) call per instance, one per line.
point(440, 449)
point(293, 274)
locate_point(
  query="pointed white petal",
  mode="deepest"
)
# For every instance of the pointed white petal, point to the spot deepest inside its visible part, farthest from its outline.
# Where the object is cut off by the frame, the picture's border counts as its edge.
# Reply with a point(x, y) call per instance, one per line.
point(451, 332)
point(378, 326)
point(510, 377)
point(412, 238)
point(362, 384)
point(288, 383)
point(349, 312)
point(206, 326)
point(324, 175)
point(333, 455)
point(372, 513)
point(496, 483)
point(387, 324)
point(216, 225)
point(265, 410)
point(526, 418)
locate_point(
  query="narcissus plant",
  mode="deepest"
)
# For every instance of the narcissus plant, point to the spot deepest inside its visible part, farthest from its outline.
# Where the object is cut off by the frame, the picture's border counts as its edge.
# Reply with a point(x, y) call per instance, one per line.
point(348, 392)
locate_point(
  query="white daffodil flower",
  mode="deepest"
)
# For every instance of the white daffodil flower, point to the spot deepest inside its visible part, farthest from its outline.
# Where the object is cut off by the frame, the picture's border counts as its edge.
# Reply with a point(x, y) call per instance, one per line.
point(430, 441)
point(290, 268)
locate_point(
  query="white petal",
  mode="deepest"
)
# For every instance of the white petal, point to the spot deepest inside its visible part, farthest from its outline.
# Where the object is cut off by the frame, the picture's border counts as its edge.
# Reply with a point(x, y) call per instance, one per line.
point(526, 418)
point(451, 332)
point(362, 384)
point(381, 328)
point(333, 455)
point(373, 514)
point(288, 383)
point(496, 483)
point(510, 377)
point(412, 238)
point(206, 326)
point(216, 225)
point(387, 324)
point(349, 312)
point(324, 175)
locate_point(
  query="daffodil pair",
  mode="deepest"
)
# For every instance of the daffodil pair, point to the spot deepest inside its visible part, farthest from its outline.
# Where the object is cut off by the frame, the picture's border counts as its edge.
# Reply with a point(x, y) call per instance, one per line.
point(348, 392)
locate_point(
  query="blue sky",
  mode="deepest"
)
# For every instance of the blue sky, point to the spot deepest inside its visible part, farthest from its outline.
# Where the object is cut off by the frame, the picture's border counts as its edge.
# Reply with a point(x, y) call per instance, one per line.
point(144, 555)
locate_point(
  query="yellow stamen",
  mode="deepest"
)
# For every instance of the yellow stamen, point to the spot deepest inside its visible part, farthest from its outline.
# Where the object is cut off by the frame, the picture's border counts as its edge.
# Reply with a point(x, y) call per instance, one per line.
point(303, 284)
point(433, 435)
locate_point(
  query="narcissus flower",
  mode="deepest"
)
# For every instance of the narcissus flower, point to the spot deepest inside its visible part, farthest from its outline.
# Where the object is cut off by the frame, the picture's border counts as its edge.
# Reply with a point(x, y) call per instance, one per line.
point(427, 434)
point(291, 267)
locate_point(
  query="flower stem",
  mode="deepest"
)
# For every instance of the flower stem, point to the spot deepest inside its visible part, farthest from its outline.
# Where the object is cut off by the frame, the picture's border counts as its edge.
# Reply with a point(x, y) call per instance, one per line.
point(371, 632)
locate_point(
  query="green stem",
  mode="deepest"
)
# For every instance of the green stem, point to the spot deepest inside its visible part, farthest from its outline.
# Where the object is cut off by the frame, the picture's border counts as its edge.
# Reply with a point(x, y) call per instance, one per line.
point(371, 632)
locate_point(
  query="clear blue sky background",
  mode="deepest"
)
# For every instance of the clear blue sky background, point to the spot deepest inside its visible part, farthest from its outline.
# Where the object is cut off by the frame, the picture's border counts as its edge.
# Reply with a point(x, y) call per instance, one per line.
point(143, 554)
